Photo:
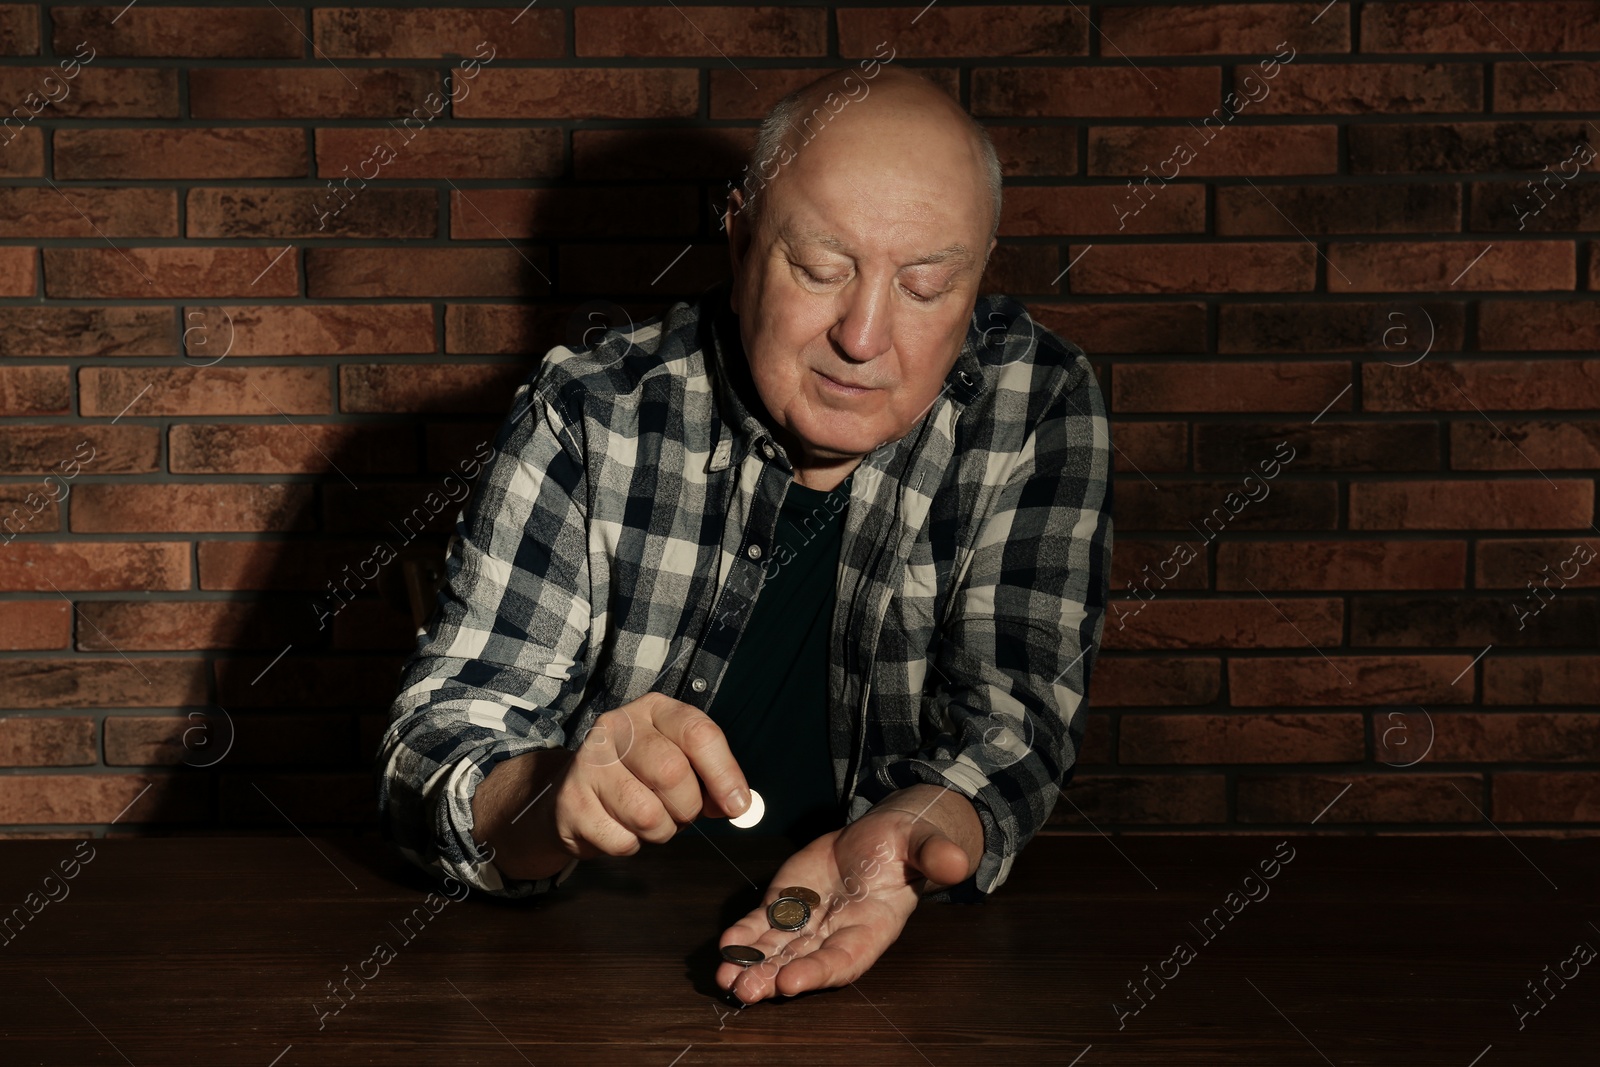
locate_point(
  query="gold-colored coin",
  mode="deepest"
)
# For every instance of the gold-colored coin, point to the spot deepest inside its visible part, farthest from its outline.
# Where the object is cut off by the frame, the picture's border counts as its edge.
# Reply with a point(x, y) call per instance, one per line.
point(800, 892)
point(743, 954)
point(788, 913)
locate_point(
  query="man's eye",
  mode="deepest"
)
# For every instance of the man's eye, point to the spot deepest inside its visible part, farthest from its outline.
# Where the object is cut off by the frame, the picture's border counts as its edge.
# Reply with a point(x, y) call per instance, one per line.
point(814, 278)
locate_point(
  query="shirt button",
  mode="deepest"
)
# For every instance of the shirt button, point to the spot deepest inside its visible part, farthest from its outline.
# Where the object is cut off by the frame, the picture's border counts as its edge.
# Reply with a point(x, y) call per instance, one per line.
point(767, 449)
point(698, 685)
point(754, 551)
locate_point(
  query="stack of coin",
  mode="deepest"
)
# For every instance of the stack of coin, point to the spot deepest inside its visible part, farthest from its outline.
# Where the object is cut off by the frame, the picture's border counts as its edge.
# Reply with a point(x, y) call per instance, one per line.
point(792, 909)
point(743, 955)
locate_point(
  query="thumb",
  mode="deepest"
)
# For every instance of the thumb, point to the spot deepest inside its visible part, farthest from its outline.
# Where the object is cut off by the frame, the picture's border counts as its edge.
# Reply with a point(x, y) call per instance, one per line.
point(937, 856)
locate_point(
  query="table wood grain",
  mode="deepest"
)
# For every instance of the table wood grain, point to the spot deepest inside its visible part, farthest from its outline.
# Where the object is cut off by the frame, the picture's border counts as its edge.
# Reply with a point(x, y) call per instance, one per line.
point(1360, 950)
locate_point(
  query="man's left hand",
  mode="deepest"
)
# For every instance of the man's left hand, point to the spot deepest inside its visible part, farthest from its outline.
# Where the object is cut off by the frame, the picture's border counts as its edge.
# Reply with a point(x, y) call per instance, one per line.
point(870, 876)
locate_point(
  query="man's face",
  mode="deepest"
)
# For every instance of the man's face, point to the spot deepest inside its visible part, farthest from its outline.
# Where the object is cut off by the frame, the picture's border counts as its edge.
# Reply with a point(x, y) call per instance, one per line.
point(850, 280)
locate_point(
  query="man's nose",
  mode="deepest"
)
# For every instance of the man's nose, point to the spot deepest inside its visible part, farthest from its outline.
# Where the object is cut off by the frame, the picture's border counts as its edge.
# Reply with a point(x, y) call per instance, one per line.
point(865, 325)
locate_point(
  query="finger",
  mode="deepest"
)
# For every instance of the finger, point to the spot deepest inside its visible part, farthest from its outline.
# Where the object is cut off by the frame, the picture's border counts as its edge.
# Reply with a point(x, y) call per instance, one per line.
point(635, 807)
point(781, 948)
point(666, 771)
point(842, 957)
point(592, 827)
point(940, 858)
point(699, 737)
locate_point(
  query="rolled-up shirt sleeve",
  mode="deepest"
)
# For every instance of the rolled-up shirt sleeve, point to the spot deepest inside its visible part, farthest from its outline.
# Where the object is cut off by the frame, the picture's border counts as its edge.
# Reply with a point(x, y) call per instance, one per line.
point(503, 662)
point(1008, 679)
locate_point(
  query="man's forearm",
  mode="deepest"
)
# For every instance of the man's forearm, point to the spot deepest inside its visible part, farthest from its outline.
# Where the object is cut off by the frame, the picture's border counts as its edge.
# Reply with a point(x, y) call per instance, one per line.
point(513, 813)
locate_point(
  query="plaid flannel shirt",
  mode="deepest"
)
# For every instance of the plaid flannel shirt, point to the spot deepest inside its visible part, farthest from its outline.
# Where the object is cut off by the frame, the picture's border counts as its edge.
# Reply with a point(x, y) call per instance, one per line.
point(619, 537)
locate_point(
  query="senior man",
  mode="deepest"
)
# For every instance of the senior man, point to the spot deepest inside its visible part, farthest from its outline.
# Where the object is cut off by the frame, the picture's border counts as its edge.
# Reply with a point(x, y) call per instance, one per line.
point(839, 530)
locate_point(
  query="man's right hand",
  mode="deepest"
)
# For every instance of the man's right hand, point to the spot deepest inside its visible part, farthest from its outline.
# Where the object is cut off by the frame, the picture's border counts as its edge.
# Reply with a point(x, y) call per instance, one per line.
point(643, 772)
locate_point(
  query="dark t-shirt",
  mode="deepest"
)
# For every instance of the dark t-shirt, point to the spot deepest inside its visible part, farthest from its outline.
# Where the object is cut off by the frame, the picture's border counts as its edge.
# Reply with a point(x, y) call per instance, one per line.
point(773, 700)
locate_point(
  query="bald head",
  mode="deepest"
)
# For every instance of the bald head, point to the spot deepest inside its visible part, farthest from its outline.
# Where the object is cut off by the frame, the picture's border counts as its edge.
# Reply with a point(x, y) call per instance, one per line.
point(889, 121)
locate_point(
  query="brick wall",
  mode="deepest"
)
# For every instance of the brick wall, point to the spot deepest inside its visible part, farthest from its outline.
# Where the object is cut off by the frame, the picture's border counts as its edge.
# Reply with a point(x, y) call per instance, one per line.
point(1334, 265)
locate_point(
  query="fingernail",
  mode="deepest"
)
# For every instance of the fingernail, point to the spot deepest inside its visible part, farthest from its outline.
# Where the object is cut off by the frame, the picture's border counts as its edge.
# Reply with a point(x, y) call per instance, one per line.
point(738, 801)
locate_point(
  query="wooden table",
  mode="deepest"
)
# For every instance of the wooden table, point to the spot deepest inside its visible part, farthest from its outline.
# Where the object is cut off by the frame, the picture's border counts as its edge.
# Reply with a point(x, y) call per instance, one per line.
point(220, 951)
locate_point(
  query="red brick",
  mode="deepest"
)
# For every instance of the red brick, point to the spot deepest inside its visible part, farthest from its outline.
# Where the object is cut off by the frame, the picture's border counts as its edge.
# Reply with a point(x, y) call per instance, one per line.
point(191, 507)
point(1405, 332)
point(29, 509)
point(279, 565)
point(1151, 446)
point(1034, 211)
point(187, 625)
point(1570, 325)
point(19, 272)
point(1328, 565)
point(1302, 210)
point(28, 625)
point(1365, 88)
point(1013, 269)
point(487, 214)
point(734, 97)
point(1245, 738)
point(1233, 150)
point(1565, 796)
point(99, 91)
point(1372, 798)
point(1035, 151)
point(207, 739)
point(1545, 679)
point(315, 93)
point(1502, 737)
point(1080, 92)
point(1507, 563)
point(1120, 683)
point(1331, 446)
point(1507, 385)
point(439, 32)
point(33, 330)
point(1342, 679)
point(23, 156)
point(1482, 504)
point(583, 93)
point(1546, 445)
point(178, 153)
point(1165, 623)
point(515, 329)
point(136, 30)
point(1136, 558)
point(94, 565)
point(1146, 798)
point(285, 213)
point(183, 272)
point(100, 798)
point(436, 152)
point(304, 448)
point(1225, 29)
point(1207, 507)
point(426, 272)
point(1459, 147)
point(328, 329)
point(1168, 329)
point(32, 741)
point(737, 30)
point(429, 387)
point(19, 30)
point(103, 682)
point(303, 799)
point(1521, 87)
point(216, 390)
point(56, 449)
point(1235, 267)
point(88, 213)
point(962, 31)
point(1437, 266)
point(1481, 26)
point(1216, 387)
point(34, 391)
